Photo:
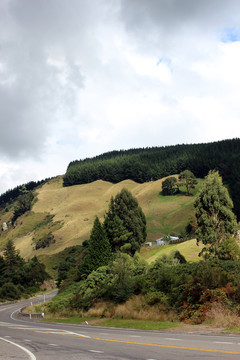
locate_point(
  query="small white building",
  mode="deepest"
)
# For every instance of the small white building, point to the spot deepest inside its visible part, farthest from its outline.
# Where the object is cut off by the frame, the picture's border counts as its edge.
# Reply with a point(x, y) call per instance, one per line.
point(166, 240)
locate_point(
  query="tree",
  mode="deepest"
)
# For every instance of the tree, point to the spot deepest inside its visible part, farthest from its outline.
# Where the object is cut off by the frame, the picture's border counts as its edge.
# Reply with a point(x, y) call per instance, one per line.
point(125, 223)
point(170, 186)
point(186, 178)
point(215, 219)
point(99, 250)
point(24, 203)
point(12, 258)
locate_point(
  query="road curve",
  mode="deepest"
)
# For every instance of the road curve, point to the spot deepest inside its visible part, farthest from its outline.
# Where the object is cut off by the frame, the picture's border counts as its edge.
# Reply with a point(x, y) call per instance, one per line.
point(21, 339)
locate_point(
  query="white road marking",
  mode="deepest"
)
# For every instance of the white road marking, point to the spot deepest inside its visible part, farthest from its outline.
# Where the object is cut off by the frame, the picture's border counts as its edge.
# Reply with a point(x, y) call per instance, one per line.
point(80, 335)
point(96, 351)
point(223, 342)
point(172, 339)
point(134, 336)
point(11, 316)
point(30, 354)
point(27, 340)
point(7, 336)
point(52, 344)
point(103, 334)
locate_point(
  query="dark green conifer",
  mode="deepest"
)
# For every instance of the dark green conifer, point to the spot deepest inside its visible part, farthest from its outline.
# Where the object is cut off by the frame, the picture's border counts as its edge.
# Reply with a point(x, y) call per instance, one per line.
point(125, 223)
point(215, 219)
point(99, 250)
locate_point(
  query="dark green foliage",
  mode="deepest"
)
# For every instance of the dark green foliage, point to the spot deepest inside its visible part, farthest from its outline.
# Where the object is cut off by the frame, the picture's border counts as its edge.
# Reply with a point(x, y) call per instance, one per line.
point(91, 289)
point(148, 164)
point(35, 272)
point(24, 203)
point(228, 249)
point(9, 291)
point(187, 288)
point(179, 257)
point(191, 226)
point(18, 277)
point(45, 241)
point(215, 219)
point(68, 262)
point(118, 281)
point(170, 186)
point(99, 250)
point(122, 285)
point(187, 179)
point(125, 223)
point(12, 259)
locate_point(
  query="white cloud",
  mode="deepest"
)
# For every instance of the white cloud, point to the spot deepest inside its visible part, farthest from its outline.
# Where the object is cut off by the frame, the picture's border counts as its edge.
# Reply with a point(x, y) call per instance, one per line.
point(80, 78)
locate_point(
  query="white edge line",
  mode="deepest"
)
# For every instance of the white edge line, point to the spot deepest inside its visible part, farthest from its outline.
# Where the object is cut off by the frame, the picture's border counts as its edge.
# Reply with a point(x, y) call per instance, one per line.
point(11, 316)
point(32, 357)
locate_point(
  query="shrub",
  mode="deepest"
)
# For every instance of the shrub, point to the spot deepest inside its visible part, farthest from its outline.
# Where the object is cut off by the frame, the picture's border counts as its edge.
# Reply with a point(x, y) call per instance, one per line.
point(45, 241)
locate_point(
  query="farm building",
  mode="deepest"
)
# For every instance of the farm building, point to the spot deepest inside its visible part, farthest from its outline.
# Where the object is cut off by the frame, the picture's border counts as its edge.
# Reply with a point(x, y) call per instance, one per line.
point(167, 240)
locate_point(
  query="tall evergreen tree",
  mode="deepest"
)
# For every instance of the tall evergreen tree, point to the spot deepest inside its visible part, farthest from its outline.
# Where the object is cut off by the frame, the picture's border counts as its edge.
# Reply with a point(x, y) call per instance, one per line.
point(125, 223)
point(11, 257)
point(215, 219)
point(99, 250)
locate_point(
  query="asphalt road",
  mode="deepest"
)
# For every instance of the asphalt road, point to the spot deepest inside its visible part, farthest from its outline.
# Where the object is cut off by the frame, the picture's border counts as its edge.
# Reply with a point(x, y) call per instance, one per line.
point(21, 339)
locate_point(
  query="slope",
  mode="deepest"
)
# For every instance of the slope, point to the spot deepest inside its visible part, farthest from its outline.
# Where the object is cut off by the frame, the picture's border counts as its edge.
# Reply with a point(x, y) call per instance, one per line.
point(68, 213)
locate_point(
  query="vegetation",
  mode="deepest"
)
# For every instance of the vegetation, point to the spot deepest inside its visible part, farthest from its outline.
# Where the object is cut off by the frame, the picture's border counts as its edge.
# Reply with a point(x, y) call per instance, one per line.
point(142, 165)
point(99, 250)
point(170, 186)
point(45, 241)
point(125, 223)
point(19, 278)
point(187, 179)
point(166, 289)
point(170, 286)
point(10, 195)
point(23, 204)
point(105, 275)
point(216, 223)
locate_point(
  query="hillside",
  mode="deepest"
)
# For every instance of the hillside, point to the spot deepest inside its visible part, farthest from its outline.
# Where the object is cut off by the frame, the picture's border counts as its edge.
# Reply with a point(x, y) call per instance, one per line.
point(73, 210)
point(145, 164)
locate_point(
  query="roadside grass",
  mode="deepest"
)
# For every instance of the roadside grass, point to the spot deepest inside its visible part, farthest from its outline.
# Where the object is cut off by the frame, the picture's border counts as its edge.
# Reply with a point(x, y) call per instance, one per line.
point(137, 324)
point(233, 330)
point(118, 323)
point(74, 319)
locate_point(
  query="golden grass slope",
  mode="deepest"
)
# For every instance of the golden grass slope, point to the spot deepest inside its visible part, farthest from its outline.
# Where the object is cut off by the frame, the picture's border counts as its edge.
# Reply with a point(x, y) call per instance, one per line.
point(76, 207)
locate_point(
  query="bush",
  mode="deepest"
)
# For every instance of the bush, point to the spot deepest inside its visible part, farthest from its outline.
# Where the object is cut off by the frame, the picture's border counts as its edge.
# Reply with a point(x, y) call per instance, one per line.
point(45, 241)
point(9, 291)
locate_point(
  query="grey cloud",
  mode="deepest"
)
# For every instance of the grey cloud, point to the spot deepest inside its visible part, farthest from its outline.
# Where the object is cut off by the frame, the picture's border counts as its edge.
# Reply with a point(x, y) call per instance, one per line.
point(172, 17)
point(32, 96)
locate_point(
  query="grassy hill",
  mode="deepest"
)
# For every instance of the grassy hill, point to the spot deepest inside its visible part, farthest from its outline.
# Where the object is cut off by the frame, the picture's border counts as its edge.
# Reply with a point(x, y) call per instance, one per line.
point(68, 214)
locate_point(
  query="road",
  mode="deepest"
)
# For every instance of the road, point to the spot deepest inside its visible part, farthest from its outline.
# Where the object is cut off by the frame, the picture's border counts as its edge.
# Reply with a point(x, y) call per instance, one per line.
point(21, 339)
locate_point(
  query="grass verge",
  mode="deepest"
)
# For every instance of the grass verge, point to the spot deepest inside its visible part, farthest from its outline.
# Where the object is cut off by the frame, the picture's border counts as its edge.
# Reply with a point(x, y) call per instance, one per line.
point(137, 324)
point(119, 323)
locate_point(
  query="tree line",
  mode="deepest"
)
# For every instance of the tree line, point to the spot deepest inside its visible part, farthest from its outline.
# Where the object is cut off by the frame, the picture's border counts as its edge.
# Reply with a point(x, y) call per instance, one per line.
point(149, 164)
point(11, 195)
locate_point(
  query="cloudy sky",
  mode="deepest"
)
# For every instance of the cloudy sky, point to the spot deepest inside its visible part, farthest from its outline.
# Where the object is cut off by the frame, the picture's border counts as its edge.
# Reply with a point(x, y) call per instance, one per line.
point(82, 77)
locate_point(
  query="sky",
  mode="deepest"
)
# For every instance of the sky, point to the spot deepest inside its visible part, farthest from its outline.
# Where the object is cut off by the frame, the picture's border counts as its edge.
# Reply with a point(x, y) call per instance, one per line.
point(82, 77)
